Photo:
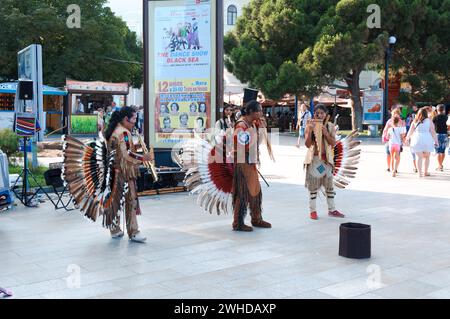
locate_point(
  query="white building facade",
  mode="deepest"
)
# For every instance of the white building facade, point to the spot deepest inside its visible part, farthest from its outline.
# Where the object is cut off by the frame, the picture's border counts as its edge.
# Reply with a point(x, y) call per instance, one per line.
point(233, 88)
point(232, 9)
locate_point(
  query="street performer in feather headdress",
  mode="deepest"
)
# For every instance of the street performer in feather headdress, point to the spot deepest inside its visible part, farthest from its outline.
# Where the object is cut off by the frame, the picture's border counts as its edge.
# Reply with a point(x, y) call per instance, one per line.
point(101, 176)
point(226, 178)
point(118, 137)
point(246, 186)
point(328, 161)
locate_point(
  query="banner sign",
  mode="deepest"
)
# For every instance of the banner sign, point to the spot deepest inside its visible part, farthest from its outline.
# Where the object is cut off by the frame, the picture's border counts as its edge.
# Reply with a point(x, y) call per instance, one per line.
point(25, 124)
point(97, 86)
point(373, 107)
point(84, 124)
point(181, 70)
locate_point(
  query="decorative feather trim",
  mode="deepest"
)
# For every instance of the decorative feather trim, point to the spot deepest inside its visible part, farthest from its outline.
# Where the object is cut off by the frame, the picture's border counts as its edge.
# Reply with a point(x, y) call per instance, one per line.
point(346, 159)
point(87, 173)
point(207, 177)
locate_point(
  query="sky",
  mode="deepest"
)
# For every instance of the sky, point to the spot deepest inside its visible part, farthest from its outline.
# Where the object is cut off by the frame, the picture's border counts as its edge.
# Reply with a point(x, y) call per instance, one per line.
point(131, 12)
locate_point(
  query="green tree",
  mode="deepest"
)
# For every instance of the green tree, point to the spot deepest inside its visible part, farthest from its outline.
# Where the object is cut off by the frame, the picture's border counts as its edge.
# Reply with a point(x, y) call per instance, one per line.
point(268, 38)
point(9, 143)
point(343, 49)
point(422, 52)
point(88, 53)
point(297, 46)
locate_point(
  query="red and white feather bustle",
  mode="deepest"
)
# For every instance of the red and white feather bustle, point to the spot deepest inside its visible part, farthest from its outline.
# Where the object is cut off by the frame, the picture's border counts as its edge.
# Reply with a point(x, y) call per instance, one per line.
point(207, 174)
point(346, 159)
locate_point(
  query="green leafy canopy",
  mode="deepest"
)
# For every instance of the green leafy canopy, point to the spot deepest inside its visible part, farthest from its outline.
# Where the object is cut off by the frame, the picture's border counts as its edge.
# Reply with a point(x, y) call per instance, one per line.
point(297, 46)
point(82, 54)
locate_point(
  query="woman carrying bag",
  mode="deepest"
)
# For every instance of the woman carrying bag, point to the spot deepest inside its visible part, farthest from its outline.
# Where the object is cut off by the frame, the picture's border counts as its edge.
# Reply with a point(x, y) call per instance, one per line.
point(422, 138)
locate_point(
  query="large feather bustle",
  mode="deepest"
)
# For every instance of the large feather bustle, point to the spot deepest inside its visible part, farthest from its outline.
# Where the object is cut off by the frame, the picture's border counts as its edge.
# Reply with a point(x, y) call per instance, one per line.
point(208, 177)
point(89, 176)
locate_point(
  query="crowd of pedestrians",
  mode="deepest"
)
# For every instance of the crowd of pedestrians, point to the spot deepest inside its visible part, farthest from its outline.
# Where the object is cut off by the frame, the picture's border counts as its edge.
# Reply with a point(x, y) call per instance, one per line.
point(424, 130)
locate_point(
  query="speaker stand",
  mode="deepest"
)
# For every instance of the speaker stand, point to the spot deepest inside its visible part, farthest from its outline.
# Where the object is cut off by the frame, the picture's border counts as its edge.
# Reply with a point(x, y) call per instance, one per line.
point(26, 173)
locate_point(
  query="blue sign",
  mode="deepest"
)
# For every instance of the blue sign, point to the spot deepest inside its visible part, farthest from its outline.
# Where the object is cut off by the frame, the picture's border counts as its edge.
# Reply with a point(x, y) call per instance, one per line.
point(29, 145)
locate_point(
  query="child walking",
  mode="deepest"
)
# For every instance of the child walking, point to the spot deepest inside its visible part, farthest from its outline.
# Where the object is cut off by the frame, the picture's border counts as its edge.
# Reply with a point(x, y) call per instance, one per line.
point(396, 135)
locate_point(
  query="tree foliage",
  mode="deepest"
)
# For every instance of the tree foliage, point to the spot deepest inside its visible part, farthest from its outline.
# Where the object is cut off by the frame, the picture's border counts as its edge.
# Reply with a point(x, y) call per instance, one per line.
point(9, 143)
point(268, 38)
point(422, 53)
point(87, 53)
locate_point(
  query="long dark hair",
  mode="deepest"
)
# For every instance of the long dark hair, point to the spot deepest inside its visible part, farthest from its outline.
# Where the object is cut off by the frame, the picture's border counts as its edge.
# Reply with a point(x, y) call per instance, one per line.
point(421, 115)
point(321, 107)
point(116, 118)
point(251, 107)
point(232, 117)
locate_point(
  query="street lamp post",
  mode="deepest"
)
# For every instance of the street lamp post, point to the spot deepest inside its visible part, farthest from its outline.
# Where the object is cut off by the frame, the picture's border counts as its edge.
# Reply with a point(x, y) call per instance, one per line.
point(387, 58)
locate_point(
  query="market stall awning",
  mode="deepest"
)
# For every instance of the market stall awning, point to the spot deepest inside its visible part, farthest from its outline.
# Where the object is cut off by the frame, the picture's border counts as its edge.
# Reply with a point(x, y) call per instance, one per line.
point(326, 98)
point(286, 100)
point(235, 99)
point(11, 87)
point(97, 87)
point(231, 84)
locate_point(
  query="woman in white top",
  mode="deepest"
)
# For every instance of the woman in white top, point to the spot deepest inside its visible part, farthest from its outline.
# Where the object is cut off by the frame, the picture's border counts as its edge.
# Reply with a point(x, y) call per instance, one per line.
point(224, 126)
point(395, 113)
point(100, 119)
point(422, 135)
point(396, 134)
point(303, 116)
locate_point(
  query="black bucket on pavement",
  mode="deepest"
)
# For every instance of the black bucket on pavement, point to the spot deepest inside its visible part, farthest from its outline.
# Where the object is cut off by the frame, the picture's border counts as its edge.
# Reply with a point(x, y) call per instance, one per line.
point(354, 240)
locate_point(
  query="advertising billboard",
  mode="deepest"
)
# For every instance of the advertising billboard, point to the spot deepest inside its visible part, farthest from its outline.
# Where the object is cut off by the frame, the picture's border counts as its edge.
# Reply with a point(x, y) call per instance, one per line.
point(181, 69)
point(373, 107)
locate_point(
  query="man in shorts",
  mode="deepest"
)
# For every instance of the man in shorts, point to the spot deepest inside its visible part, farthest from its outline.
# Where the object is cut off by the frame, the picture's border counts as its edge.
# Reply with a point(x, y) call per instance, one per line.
point(440, 124)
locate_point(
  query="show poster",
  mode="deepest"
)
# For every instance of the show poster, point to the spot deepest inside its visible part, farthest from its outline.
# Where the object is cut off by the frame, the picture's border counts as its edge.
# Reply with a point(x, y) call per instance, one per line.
point(182, 71)
point(373, 107)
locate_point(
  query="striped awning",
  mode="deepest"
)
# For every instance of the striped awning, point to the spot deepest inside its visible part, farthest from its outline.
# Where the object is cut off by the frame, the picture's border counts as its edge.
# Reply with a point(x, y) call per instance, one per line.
point(11, 87)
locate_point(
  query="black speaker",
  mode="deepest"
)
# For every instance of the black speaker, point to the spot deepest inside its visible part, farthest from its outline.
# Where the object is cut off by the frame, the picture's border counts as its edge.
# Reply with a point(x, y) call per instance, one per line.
point(25, 90)
point(250, 95)
point(53, 177)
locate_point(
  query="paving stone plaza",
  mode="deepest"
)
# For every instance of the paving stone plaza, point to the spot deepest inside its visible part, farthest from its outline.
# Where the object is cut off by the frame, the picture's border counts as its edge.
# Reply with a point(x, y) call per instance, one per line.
point(190, 254)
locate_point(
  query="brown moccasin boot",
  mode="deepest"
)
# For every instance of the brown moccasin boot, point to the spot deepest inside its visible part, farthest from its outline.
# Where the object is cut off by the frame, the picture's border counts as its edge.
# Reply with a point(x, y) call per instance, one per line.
point(261, 223)
point(242, 227)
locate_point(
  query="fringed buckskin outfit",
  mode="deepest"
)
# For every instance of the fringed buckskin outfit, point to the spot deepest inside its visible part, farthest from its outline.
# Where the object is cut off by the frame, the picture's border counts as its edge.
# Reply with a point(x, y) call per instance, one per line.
point(101, 177)
point(246, 187)
point(127, 162)
point(319, 171)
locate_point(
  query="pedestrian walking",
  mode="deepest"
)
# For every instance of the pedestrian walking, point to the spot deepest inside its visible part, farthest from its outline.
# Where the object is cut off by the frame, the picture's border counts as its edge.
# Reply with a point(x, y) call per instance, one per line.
point(423, 139)
point(440, 123)
point(303, 116)
point(395, 113)
point(396, 135)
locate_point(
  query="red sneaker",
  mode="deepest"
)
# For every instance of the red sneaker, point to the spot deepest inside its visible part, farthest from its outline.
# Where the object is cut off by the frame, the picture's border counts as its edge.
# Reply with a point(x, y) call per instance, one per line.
point(336, 213)
point(313, 215)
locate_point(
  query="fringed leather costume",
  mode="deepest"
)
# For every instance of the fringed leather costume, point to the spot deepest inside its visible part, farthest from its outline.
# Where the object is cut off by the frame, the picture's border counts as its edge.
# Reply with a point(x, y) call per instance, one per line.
point(101, 177)
point(246, 186)
point(331, 168)
point(225, 183)
point(127, 163)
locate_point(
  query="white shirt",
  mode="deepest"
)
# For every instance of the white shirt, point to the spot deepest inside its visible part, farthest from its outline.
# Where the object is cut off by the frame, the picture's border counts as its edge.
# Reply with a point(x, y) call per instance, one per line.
point(395, 134)
point(80, 108)
point(303, 118)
